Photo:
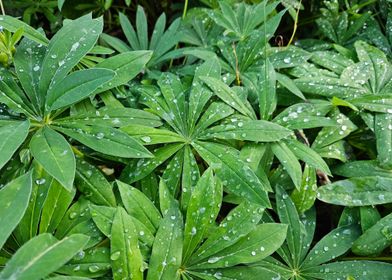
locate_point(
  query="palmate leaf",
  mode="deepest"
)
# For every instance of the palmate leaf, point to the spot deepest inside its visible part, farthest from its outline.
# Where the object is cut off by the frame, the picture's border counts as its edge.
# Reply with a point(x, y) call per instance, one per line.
point(358, 270)
point(100, 137)
point(93, 184)
point(139, 206)
point(126, 258)
point(112, 117)
point(66, 49)
point(360, 191)
point(237, 224)
point(334, 244)
point(374, 240)
point(54, 153)
point(13, 24)
point(253, 130)
point(202, 211)
point(76, 87)
point(41, 256)
point(14, 199)
point(12, 136)
point(166, 252)
point(91, 263)
point(258, 244)
point(237, 177)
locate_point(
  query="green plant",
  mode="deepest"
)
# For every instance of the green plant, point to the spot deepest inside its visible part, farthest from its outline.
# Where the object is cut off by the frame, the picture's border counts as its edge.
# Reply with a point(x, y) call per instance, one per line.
point(200, 151)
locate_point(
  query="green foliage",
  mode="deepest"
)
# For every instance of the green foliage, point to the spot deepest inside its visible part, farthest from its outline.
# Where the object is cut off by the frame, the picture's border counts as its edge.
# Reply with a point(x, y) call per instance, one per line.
point(197, 147)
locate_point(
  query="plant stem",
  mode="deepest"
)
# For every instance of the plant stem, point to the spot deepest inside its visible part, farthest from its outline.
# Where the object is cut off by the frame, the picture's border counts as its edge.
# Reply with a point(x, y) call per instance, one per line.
point(2, 7)
point(295, 24)
point(185, 9)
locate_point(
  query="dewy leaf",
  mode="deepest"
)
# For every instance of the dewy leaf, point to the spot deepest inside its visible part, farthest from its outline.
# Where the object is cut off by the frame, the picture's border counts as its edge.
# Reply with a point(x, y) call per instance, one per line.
point(308, 155)
point(289, 160)
point(253, 130)
point(383, 131)
point(91, 263)
point(202, 211)
point(227, 95)
point(305, 196)
point(113, 117)
point(237, 224)
point(359, 191)
point(67, 48)
point(139, 206)
point(99, 138)
point(14, 199)
point(125, 255)
point(126, 66)
point(28, 62)
point(334, 244)
point(55, 206)
point(288, 215)
point(375, 239)
point(138, 170)
point(259, 243)
point(76, 86)
point(54, 153)
point(166, 252)
point(358, 270)
point(12, 136)
point(41, 256)
point(93, 184)
point(237, 177)
point(13, 24)
point(41, 184)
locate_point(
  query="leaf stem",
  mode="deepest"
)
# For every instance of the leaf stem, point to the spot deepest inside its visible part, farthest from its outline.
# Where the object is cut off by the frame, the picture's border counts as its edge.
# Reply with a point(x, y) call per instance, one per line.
point(295, 24)
point(2, 7)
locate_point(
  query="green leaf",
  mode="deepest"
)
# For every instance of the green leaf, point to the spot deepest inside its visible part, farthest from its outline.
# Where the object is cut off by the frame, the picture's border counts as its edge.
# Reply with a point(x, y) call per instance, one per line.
point(360, 191)
point(76, 86)
point(267, 90)
point(289, 160)
point(358, 270)
point(369, 217)
point(167, 248)
point(383, 131)
point(12, 136)
point(91, 263)
point(305, 196)
point(55, 206)
point(113, 117)
point(14, 198)
point(13, 24)
point(41, 256)
point(140, 169)
point(99, 138)
point(334, 244)
point(151, 136)
point(258, 131)
point(237, 177)
point(126, 66)
point(308, 155)
point(375, 239)
point(91, 182)
point(258, 244)
point(202, 211)
point(66, 49)
point(126, 258)
point(139, 206)
point(227, 95)
point(54, 153)
point(237, 224)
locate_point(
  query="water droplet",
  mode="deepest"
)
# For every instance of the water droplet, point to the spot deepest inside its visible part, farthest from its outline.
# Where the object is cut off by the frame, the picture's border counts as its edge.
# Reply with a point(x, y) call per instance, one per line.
point(115, 256)
point(72, 215)
point(146, 139)
point(40, 181)
point(93, 268)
